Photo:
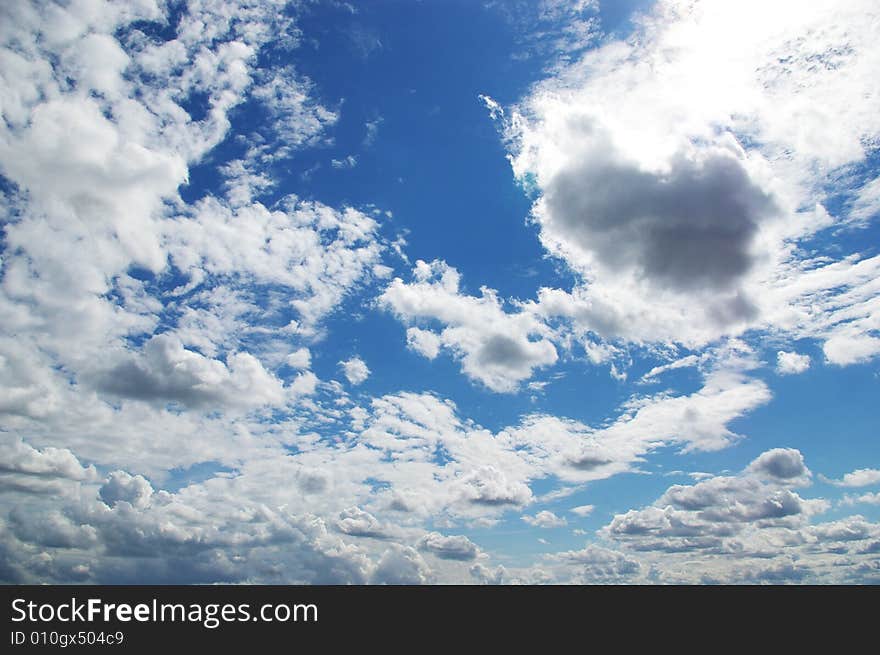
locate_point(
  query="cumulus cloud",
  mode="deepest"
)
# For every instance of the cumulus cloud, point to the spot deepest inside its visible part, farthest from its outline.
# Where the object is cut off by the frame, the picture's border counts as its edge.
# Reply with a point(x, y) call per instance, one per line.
point(596, 565)
point(868, 498)
point(791, 363)
point(713, 514)
point(358, 523)
point(544, 519)
point(684, 362)
point(167, 372)
point(301, 358)
point(401, 565)
point(115, 282)
point(123, 487)
point(743, 524)
point(847, 346)
point(784, 465)
point(203, 533)
point(582, 510)
point(109, 117)
point(316, 252)
point(482, 574)
point(858, 478)
point(355, 370)
point(475, 473)
point(454, 547)
point(725, 500)
point(489, 486)
point(424, 342)
point(498, 348)
point(688, 227)
point(21, 458)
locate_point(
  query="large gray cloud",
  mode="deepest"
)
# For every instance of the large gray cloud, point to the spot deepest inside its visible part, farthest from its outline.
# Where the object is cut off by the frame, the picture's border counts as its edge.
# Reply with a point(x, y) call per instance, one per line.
point(497, 347)
point(689, 227)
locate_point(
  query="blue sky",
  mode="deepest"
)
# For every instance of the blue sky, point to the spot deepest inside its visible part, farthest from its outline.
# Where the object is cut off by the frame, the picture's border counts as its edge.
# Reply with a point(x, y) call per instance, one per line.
point(439, 291)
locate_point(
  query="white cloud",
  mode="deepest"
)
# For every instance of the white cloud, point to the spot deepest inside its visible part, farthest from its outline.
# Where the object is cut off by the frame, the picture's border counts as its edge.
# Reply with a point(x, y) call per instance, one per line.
point(684, 362)
point(30, 470)
point(484, 575)
point(500, 349)
point(346, 162)
point(371, 131)
point(544, 519)
point(401, 565)
point(355, 370)
point(595, 564)
point(847, 346)
point(749, 527)
point(93, 100)
point(781, 465)
point(428, 463)
point(858, 478)
point(301, 358)
point(866, 498)
point(867, 204)
point(705, 515)
point(444, 465)
point(424, 342)
point(299, 119)
point(168, 373)
point(489, 486)
point(496, 111)
point(243, 183)
point(205, 532)
point(836, 301)
point(358, 523)
point(457, 547)
point(21, 458)
point(316, 252)
point(555, 28)
point(149, 372)
point(791, 363)
point(122, 487)
point(155, 339)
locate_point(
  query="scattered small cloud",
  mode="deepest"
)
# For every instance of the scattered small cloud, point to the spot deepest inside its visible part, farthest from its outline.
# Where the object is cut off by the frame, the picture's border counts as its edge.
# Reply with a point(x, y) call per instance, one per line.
point(355, 370)
point(791, 363)
point(544, 519)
